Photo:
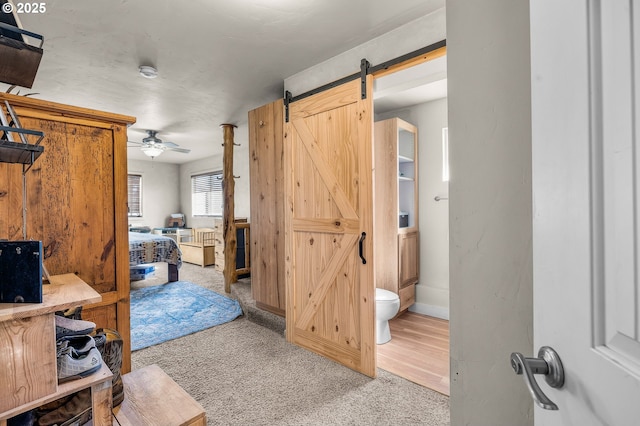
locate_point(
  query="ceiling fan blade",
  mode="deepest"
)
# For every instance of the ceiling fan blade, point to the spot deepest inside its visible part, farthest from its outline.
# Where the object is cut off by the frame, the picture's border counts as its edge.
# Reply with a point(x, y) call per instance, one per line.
point(135, 143)
point(183, 150)
point(170, 144)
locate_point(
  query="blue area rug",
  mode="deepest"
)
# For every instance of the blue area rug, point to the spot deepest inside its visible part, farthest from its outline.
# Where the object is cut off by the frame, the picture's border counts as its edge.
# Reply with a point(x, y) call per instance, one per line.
point(173, 310)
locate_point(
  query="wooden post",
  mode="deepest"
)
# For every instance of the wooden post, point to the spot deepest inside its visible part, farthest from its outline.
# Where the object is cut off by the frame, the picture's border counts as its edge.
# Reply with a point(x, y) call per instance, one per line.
point(228, 219)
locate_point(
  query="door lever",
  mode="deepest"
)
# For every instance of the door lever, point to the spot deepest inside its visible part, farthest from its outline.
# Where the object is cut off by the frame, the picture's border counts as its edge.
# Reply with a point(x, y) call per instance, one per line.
point(547, 363)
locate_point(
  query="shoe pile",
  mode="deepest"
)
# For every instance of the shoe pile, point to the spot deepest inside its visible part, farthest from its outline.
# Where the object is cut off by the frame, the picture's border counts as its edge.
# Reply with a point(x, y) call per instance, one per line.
point(81, 351)
point(78, 356)
point(78, 346)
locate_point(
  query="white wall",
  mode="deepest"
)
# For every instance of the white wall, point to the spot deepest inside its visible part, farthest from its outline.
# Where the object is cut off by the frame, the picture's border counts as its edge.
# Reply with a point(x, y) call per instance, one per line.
point(160, 186)
point(432, 291)
point(214, 163)
point(490, 209)
point(415, 35)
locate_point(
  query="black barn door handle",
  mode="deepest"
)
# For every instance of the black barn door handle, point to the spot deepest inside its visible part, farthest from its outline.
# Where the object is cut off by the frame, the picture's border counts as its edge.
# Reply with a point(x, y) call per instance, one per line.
point(361, 244)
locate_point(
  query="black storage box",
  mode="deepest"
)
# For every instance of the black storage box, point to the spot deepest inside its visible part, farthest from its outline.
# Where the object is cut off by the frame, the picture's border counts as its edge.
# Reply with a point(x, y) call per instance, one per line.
point(403, 219)
point(21, 271)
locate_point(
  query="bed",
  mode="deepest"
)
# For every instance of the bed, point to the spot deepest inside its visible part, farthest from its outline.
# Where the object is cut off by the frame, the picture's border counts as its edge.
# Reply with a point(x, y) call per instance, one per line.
point(150, 248)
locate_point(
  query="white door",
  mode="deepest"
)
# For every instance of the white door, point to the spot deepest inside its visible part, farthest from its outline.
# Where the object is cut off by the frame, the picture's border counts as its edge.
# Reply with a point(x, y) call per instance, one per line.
point(585, 76)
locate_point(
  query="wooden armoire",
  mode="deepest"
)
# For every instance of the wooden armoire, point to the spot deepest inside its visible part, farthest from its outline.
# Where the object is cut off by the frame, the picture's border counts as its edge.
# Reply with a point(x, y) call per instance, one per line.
point(76, 196)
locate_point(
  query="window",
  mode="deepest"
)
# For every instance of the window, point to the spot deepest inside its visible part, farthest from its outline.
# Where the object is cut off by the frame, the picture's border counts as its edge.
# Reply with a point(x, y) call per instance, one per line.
point(445, 154)
point(206, 194)
point(134, 195)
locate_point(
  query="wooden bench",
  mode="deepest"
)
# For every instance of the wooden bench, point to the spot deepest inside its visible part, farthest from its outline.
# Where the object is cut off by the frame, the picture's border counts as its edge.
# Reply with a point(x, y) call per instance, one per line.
point(199, 247)
point(152, 398)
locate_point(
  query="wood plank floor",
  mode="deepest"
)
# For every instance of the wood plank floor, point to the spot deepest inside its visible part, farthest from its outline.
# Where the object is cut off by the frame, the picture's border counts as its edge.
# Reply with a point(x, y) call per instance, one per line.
point(418, 351)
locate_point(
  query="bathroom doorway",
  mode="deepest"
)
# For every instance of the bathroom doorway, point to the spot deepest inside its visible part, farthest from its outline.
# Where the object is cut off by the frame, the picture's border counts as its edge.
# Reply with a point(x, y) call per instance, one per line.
point(418, 350)
point(419, 346)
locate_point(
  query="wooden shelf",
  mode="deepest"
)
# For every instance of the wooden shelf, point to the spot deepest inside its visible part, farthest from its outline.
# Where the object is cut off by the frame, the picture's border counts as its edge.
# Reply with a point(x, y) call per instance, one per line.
point(64, 389)
point(12, 152)
point(64, 292)
point(407, 229)
point(243, 258)
point(29, 367)
point(403, 159)
point(405, 179)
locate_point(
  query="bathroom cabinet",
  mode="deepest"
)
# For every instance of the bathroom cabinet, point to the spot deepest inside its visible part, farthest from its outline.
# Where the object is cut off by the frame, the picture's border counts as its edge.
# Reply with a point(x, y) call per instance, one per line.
point(396, 230)
point(408, 249)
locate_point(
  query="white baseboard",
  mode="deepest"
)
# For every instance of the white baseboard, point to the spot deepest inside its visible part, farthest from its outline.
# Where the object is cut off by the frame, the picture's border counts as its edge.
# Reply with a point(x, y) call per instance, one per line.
point(430, 310)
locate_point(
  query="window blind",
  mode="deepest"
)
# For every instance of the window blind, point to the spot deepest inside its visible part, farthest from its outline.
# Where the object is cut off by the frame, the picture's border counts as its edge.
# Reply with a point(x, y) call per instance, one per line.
point(134, 195)
point(206, 194)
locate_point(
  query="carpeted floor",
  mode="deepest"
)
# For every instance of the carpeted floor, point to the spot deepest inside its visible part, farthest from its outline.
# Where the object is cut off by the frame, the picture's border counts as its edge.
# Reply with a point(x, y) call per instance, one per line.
point(243, 373)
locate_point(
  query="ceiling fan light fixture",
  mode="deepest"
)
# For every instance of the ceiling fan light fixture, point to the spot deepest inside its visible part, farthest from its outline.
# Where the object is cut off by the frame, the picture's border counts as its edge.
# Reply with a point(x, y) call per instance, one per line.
point(152, 151)
point(148, 72)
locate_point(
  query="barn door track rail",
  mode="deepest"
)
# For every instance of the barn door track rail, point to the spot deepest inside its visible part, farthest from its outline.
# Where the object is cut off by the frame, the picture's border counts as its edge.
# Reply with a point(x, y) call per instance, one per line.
point(365, 69)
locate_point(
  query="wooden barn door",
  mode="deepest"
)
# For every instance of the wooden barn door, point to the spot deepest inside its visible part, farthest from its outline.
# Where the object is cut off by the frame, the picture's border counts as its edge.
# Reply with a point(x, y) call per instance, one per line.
point(329, 226)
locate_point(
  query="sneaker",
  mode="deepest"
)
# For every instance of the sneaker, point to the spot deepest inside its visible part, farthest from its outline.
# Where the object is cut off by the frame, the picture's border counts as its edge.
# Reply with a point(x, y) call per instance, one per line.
point(71, 327)
point(73, 313)
point(81, 344)
point(72, 365)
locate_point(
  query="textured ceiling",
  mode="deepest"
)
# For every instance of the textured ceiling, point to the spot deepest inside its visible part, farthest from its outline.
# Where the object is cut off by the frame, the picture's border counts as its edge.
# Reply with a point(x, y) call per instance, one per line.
point(216, 59)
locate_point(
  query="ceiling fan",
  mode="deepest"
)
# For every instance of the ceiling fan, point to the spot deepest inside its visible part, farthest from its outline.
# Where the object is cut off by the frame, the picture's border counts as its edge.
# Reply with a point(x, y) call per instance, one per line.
point(153, 146)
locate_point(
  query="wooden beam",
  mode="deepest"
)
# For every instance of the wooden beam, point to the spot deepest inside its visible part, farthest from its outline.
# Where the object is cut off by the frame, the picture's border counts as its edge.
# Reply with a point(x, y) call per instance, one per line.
point(434, 54)
point(228, 218)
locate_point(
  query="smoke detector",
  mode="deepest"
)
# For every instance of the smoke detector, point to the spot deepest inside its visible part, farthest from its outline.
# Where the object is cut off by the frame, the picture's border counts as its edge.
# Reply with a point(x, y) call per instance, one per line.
point(148, 71)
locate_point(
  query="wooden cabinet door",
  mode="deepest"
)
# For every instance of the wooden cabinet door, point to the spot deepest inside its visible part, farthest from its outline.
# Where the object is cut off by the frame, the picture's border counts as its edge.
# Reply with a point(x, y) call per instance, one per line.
point(408, 255)
point(329, 205)
point(72, 187)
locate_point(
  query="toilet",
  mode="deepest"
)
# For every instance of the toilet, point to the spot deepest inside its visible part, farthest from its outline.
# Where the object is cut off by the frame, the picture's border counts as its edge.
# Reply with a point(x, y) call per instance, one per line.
point(387, 306)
